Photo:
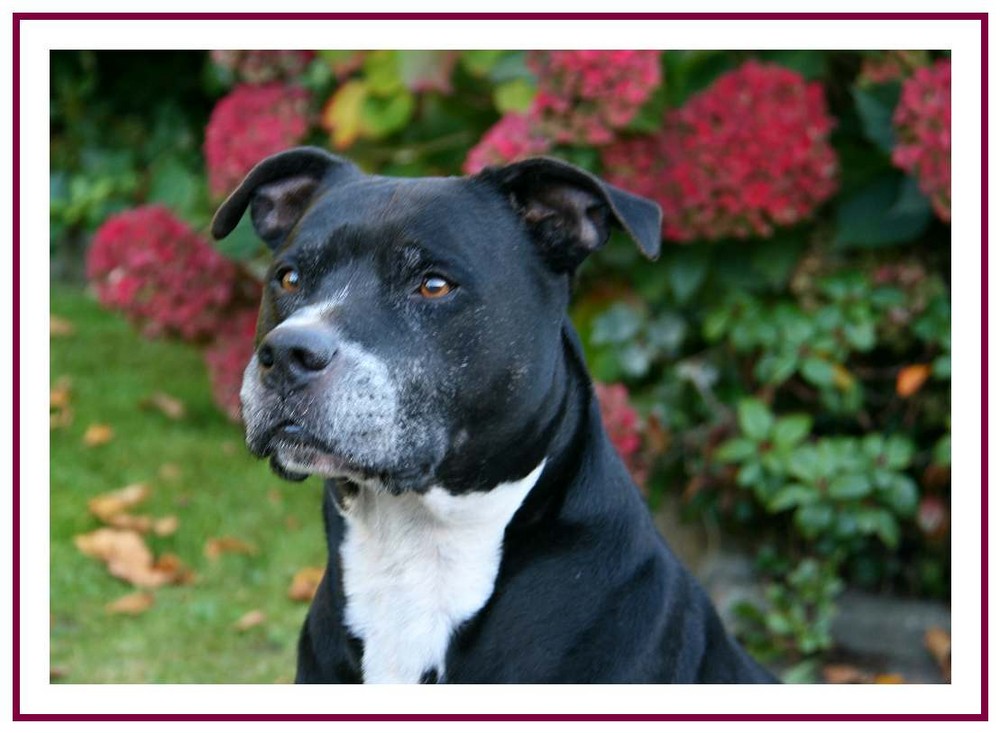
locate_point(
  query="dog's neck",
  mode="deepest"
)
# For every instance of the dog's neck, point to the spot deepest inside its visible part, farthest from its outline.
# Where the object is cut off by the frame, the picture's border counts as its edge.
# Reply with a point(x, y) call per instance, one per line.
point(416, 566)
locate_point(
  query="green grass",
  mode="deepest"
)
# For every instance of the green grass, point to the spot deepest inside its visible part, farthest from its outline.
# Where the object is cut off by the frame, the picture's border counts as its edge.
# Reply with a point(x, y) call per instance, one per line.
point(188, 634)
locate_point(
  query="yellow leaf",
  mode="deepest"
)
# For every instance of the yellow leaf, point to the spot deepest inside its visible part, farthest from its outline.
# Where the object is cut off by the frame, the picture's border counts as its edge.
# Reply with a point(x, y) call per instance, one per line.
point(911, 378)
point(304, 584)
point(60, 327)
point(105, 506)
point(342, 113)
point(131, 605)
point(125, 554)
point(216, 546)
point(249, 620)
point(98, 434)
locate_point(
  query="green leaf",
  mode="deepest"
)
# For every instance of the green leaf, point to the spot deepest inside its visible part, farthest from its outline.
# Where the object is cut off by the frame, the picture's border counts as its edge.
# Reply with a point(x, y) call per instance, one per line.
point(342, 113)
point(942, 451)
point(811, 64)
point(635, 360)
point(480, 62)
point(774, 258)
point(736, 450)
point(515, 95)
point(776, 368)
point(382, 116)
point(666, 333)
point(902, 495)
point(716, 324)
point(791, 429)
point(175, 186)
point(750, 475)
point(792, 495)
point(755, 419)
point(884, 212)
point(898, 452)
point(802, 464)
point(851, 486)
point(879, 522)
point(818, 372)
point(875, 106)
point(382, 72)
point(510, 65)
point(686, 268)
point(813, 519)
point(425, 70)
point(618, 324)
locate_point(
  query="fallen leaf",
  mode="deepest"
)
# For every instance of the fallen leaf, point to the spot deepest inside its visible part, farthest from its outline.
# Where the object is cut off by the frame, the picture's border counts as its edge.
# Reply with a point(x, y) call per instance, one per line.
point(216, 546)
point(304, 584)
point(249, 620)
point(60, 327)
point(228, 447)
point(892, 678)
point(167, 404)
point(125, 554)
point(938, 643)
point(140, 523)
point(106, 506)
point(274, 496)
point(170, 471)
point(98, 434)
point(911, 378)
point(843, 674)
point(165, 526)
point(291, 522)
point(60, 409)
point(60, 393)
point(58, 673)
point(180, 574)
point(131, 605)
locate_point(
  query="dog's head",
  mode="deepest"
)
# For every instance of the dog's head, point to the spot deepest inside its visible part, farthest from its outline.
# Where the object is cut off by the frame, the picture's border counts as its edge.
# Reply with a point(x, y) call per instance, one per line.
point(410, 329)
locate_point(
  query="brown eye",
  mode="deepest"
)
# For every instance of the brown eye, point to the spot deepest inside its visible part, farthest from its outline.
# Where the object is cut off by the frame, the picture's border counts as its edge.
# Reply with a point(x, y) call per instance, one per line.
point(435, 286)
point(289, 280)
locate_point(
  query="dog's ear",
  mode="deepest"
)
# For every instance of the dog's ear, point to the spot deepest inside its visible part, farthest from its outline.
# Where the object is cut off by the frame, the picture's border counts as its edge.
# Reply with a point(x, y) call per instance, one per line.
point(570, 212)
point(278, 191)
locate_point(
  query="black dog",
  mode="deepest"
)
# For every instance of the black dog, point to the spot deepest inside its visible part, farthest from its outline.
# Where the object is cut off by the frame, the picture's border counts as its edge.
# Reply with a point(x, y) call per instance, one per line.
point(413, 348)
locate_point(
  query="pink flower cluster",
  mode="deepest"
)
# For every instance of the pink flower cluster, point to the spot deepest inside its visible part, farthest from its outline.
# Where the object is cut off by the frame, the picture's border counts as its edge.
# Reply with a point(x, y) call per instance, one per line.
point(260, 67)
point(623, 426)
point(923, 125)
point(227, 357)
point(584, 98)
point(250, 123)
point(154, 268)
point(514, 137)
point(748, 154)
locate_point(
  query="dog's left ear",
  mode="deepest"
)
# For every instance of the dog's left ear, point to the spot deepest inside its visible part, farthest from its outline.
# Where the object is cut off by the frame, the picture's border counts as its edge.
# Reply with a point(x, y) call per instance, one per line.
point(570, 212)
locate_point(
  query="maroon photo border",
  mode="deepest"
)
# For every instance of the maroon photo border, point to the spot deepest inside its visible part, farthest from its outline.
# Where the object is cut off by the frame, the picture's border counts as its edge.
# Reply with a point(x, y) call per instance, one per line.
point(982, 18)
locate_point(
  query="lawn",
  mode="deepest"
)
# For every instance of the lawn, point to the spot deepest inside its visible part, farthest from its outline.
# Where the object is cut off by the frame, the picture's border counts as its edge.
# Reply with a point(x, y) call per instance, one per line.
point(198, 470)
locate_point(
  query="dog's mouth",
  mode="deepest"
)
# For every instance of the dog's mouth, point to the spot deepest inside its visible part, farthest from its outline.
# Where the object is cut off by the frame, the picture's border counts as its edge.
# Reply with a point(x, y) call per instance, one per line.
point(295, 454)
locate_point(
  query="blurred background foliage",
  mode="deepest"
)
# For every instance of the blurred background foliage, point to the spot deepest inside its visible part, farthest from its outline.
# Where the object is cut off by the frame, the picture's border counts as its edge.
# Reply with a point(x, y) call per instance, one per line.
point(783, 369)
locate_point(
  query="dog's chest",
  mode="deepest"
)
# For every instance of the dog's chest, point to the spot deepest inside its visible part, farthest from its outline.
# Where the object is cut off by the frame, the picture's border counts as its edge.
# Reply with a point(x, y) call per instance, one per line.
point(414, 567)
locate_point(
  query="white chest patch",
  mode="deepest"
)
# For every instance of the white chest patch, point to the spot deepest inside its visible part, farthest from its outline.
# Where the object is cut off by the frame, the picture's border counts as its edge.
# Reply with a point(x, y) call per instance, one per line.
point(417, 566)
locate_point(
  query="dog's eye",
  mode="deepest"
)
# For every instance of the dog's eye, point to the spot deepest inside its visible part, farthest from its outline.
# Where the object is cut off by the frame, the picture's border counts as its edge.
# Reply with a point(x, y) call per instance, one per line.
point(435, 286)
point(288, 279)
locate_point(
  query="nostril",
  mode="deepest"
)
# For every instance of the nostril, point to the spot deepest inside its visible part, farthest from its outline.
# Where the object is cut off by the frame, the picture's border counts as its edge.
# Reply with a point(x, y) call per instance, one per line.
point(313, 360)
point(265, 355)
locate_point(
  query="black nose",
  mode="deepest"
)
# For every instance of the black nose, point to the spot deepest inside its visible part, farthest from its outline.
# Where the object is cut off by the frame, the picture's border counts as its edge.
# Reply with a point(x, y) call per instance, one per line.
point(290, 356)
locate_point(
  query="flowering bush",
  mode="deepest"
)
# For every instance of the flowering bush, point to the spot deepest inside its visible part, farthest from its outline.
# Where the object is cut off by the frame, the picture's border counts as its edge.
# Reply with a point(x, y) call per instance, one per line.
point(514, 137)
point(227, 357)
point(624, 427)
point(248, 124)
point(585, 97)
point(923, 124)
point(748, 154)
point(260, 67)
point(156, 270)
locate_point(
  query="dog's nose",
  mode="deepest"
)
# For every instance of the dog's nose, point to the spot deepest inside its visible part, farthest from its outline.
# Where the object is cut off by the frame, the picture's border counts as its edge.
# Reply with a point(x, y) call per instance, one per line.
point(292, 355)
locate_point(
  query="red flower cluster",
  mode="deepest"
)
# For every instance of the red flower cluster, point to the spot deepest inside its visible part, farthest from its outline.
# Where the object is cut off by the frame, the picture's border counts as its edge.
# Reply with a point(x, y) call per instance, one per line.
point(167, 279)
point(746, 155)
point(923, 125)
point(623, 426)
point(585, 96)
point(227, 357)
point(512, 138)
point(248, 124)
point(260, 67)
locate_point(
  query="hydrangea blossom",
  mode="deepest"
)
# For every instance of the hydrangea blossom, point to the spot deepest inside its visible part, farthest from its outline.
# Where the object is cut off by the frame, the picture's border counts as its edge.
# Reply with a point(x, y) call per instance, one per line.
point(151, 266)
point(227, 357)
point(248, 124)
point(584, 97)
point(923, 126)
point(747, 155)
point(512, 138)
point(623, 426)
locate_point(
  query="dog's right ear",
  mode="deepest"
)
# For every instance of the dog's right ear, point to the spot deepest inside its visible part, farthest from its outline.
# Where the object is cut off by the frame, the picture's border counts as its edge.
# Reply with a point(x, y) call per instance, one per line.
point(278, 191)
